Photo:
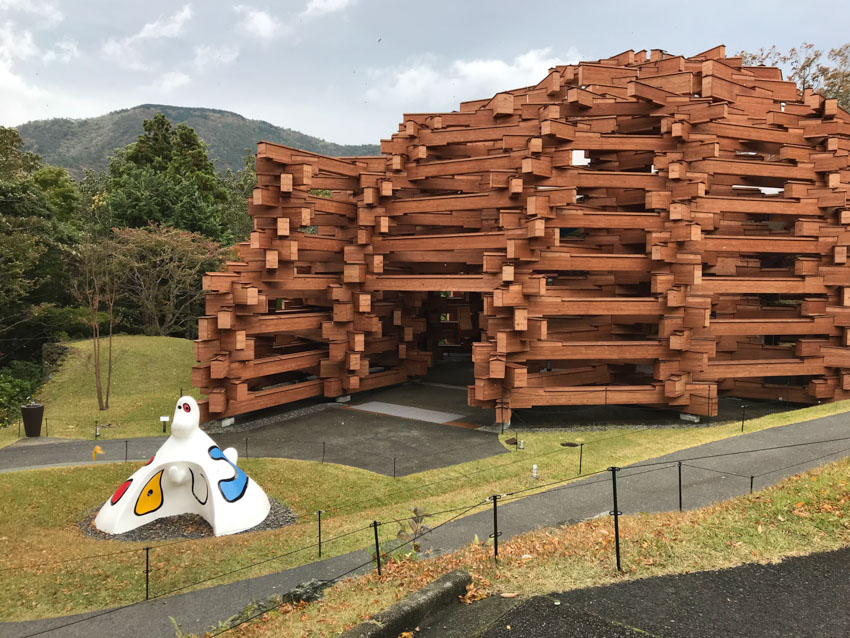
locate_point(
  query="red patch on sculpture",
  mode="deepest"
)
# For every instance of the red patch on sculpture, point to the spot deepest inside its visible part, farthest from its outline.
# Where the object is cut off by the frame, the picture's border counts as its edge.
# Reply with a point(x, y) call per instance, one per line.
point(151, 460)
point(120, 491)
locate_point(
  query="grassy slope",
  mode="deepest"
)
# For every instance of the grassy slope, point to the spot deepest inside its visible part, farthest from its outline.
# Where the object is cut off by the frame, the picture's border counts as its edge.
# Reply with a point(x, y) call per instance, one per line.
point(87, 143)
point(39, 510)
point(804, 514)
point(148, 373)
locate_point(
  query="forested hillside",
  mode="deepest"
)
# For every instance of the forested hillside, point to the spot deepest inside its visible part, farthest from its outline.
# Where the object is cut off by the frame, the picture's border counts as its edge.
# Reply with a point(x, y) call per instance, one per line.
point(87, 143)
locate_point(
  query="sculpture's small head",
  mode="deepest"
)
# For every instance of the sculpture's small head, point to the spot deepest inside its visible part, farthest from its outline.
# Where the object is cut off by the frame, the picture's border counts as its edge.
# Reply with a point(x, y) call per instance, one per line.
point(186, 418)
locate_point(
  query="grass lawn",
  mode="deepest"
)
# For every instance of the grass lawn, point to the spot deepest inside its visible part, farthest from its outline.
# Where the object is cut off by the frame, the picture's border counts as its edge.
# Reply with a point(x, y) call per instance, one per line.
point(9, 435)
point(804, 514)
point(148, 373)
point(39, 510)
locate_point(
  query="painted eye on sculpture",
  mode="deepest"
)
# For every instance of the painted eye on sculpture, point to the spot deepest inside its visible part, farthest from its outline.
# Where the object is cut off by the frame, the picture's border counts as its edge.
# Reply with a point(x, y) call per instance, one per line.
point(186, 407)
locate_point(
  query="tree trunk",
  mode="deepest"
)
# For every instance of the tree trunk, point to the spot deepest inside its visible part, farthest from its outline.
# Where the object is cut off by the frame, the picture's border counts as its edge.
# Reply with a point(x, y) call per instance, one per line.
point(96, 348)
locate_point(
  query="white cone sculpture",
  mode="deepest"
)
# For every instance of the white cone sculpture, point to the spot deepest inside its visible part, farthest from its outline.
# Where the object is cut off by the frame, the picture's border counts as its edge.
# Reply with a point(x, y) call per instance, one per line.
point(189, 474)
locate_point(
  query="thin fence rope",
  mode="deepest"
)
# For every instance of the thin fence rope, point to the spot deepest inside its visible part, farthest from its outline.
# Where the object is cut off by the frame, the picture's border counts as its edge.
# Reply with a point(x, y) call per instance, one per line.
point(346, 573)
point(711, 469)
point(763, 449)
point(788, 467)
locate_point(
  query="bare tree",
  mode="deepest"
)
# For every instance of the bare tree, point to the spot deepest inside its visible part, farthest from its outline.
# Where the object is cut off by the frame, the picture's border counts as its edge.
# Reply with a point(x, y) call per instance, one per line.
point(807, 66)
point(163, 267)
point(95, 285)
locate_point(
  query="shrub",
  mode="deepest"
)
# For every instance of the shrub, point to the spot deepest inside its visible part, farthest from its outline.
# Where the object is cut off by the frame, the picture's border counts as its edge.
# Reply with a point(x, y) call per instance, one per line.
point(18, 381)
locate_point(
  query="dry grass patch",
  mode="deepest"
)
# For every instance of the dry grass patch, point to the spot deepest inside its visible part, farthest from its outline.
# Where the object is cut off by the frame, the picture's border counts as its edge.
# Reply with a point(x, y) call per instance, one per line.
point(803, 514)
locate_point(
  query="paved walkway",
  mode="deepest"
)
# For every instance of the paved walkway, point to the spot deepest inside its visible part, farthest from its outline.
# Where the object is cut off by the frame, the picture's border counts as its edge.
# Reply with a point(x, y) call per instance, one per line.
point(381, 443)
point(640, 490)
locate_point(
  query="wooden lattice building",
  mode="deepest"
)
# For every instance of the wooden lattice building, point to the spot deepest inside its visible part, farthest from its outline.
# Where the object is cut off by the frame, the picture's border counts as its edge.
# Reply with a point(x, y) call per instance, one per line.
point(644, 229)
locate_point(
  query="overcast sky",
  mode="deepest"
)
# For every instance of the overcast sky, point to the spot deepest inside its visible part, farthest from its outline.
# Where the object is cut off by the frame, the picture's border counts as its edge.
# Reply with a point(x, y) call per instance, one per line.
point(345, 70)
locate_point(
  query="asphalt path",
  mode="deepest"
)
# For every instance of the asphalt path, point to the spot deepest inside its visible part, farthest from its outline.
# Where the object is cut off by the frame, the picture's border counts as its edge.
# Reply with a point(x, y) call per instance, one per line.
point(380, 443)
point(710, 473)
point(797, 598)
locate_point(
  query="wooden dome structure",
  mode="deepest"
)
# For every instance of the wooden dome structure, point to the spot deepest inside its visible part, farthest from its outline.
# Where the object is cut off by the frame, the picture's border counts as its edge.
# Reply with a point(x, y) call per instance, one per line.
point(643, 229)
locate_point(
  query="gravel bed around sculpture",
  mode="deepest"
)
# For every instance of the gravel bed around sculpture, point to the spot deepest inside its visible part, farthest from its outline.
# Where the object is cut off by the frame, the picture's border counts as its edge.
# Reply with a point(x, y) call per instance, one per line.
point(184, 526)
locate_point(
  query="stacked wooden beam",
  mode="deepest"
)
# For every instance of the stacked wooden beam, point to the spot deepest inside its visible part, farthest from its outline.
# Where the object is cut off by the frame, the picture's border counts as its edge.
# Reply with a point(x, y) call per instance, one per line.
point(644, 229)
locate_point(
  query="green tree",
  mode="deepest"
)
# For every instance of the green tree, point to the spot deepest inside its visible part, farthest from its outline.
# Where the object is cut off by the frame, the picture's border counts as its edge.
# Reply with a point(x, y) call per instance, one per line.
point(165, 177)
point(95, 214)
point(14, 162)
point(61, 194)
point(39, 222)
point(239, 187)
point(143, 196)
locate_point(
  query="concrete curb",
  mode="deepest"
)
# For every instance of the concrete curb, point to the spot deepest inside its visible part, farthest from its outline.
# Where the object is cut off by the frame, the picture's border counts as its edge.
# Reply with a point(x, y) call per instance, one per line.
point(409, 611)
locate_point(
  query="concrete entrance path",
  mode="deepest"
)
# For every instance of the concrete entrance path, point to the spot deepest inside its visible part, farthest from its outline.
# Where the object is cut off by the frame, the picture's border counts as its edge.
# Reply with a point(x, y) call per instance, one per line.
point(646, 487)
point(407, 412)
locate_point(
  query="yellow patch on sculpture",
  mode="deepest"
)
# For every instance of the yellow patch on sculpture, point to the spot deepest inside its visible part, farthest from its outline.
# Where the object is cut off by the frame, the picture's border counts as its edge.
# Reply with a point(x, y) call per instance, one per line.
point(150, 498)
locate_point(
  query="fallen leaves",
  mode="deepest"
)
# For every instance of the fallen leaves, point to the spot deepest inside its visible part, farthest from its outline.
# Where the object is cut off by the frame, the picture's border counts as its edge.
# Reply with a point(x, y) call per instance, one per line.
point(473, 594)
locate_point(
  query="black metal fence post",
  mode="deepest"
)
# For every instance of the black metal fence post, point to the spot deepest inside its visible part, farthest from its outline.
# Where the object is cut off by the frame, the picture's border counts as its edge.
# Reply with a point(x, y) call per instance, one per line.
point(320, 532)
point(147, 573)
point(46, 429)
point(393, 467)
point(496, 533)
point(680, 486)
point(752, 478)
point(126, 450)
point(323, 451)
point(616, 514)
point(246, 447)
point(580, 456)
point(96, 431)
point(377, 546)
point(743, 415)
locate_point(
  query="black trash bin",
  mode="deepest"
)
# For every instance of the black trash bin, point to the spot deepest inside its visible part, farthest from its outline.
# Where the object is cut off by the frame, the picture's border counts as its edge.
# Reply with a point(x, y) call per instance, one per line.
point(32, 415)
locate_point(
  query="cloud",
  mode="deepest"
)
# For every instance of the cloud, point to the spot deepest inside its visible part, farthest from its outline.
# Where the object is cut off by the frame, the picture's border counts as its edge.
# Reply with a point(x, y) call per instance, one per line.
point(207, 55)
point(20, 98)
point(260, 24)
point(319, 8)
point(49, 13)
point(64, 51)
point(168, 28)
point(125, 51)
point(171, 81)
point(16, 43)
point(422, 84)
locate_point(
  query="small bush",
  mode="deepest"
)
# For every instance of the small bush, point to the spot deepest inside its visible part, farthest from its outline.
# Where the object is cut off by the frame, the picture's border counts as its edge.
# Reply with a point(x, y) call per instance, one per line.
point(18, 381)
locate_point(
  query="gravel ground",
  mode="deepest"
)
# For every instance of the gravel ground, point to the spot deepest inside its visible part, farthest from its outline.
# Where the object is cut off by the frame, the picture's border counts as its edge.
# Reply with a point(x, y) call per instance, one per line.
point(183, 526)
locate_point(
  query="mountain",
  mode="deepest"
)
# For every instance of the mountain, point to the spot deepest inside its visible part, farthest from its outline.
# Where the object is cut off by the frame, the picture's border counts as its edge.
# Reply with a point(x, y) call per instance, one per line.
point(88, 143)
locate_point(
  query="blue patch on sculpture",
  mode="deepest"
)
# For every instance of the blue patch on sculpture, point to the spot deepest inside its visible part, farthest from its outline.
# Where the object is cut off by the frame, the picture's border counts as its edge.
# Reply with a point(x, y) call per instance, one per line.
point(231, 489)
